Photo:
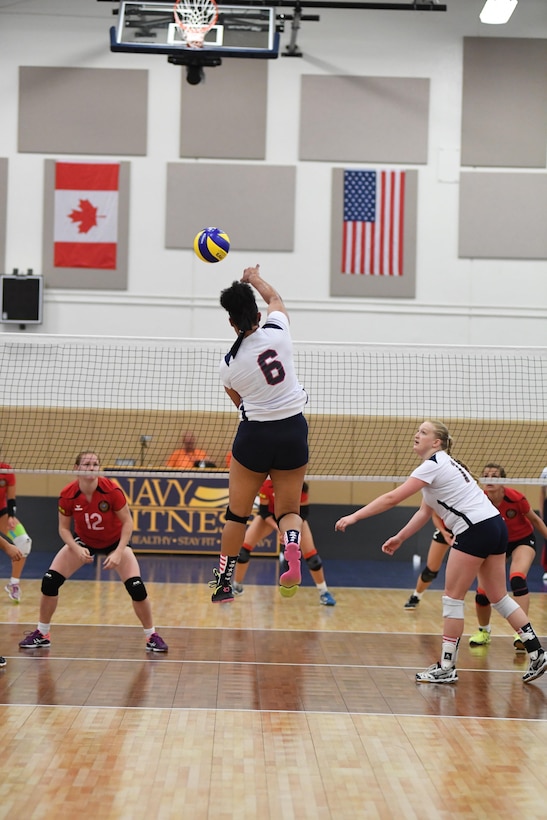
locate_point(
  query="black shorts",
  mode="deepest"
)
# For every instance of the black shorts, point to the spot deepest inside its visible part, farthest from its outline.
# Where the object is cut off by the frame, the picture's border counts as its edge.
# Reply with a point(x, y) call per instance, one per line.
point(96, 550)
point(262, 446)
point(439, 537)
point(529, 541)
point(486, 538)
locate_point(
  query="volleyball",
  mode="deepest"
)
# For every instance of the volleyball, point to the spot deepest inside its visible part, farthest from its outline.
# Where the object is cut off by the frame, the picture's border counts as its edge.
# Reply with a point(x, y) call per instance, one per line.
point(211, 244)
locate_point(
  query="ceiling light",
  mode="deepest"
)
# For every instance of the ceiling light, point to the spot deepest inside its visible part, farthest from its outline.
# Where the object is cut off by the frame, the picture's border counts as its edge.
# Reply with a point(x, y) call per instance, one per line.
point(496, 12)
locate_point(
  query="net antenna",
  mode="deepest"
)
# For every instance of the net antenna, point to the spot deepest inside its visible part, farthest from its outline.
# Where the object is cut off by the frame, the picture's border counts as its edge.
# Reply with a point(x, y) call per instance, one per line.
point(195, 18)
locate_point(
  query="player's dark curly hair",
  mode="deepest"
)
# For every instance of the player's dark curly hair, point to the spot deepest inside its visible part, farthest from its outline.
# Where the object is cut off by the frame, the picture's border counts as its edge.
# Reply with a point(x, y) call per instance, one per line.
point(239, 300)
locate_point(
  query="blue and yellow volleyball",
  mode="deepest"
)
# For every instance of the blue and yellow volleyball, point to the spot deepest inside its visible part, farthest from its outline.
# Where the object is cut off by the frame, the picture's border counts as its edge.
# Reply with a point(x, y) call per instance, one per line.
point(211, 244)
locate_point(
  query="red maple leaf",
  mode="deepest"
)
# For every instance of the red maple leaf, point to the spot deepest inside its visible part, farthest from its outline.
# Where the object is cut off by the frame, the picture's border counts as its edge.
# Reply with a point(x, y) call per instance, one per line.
point(86, 216)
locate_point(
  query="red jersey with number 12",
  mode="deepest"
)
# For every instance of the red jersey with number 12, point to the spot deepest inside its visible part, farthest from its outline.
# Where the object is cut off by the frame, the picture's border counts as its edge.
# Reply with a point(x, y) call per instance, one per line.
point(95, 521)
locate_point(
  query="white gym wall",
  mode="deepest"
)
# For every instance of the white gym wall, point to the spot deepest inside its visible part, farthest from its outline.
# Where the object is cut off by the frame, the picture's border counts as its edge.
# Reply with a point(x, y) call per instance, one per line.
point(170, 293)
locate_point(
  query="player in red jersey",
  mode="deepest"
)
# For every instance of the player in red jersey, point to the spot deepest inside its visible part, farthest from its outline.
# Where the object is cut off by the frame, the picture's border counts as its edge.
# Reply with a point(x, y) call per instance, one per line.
point(543, 510)
point(521, 551)
point(97, 509)
point(264, 523)
point(12, 527)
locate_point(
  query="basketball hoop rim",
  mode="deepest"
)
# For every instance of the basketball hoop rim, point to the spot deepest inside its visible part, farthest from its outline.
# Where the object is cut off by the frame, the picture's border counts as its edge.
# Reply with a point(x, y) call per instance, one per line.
point(196, 28)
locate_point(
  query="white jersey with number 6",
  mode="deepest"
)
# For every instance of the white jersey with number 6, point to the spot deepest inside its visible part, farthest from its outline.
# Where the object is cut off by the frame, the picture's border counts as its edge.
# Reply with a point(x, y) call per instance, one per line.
point(263, 373)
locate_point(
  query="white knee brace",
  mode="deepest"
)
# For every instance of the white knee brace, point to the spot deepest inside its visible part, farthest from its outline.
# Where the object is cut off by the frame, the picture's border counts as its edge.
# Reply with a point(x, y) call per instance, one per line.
point(452, 607)
point(506, 606)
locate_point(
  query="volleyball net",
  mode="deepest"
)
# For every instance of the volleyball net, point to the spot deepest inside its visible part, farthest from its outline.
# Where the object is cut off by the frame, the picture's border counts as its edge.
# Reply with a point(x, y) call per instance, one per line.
point(132, 401)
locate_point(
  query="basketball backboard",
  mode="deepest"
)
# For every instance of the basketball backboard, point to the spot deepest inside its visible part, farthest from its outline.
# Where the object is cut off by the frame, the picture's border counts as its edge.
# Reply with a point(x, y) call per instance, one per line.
point(240, 31)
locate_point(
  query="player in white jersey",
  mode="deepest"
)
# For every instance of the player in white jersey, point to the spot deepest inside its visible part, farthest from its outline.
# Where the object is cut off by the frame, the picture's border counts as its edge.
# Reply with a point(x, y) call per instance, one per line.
point(479, 544)
point(272, 437)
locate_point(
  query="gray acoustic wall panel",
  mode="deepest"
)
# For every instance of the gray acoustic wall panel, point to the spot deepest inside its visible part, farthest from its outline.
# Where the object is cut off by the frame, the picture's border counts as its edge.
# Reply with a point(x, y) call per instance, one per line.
point(502, 216)
point(85, 278)
point(364, 119)
point(356, 284)
point(504, 104)
point(3, 210)
point(82, 110)
point(254, 204)
point(225, 117)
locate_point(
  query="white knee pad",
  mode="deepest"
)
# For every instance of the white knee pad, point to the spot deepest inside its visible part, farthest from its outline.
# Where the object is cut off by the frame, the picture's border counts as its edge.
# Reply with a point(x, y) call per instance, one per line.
point(21, 539)
point(452, 607)
point(23, 543)
point(506, 606)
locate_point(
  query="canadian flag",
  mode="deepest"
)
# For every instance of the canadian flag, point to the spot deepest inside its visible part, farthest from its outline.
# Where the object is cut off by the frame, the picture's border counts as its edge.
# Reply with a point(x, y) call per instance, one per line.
point(85, 230)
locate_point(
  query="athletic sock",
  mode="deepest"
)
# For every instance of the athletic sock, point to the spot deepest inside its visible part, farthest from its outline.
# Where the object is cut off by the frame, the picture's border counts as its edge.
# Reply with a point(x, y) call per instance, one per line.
point(149, 632)
point(229, 565)
point(322, 587)
point(44, 628)
point(449, 652)
point(530, 639)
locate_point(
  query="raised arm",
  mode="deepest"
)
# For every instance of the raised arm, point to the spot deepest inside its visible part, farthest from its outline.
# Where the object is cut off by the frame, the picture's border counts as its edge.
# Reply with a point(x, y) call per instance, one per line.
point(268, 293)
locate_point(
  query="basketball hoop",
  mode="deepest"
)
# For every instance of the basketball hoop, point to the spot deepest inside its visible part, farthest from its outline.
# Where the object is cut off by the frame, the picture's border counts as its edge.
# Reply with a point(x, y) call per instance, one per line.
point(195, 18)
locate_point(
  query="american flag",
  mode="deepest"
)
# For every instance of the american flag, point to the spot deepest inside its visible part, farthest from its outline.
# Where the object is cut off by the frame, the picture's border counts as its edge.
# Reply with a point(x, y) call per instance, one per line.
point(373, 222)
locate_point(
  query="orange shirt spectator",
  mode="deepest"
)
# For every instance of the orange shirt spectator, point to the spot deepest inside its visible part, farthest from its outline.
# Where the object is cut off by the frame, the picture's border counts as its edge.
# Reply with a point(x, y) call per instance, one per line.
point(187, 457)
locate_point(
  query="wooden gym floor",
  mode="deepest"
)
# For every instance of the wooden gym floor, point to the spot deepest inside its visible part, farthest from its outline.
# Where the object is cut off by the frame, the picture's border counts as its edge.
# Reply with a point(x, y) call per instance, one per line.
point(264, 708)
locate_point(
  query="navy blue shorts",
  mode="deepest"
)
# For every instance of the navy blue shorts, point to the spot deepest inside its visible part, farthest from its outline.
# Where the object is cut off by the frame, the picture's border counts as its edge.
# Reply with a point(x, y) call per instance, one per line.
point(483, 539)
point(439, 537)
point(262, 446)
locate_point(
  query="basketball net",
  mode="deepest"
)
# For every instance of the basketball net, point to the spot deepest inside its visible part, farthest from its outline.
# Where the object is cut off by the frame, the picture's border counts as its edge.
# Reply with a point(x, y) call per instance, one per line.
point(195, 18)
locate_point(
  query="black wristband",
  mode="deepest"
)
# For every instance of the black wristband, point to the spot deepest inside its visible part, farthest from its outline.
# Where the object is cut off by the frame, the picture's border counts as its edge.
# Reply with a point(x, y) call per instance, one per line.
point(11, 507)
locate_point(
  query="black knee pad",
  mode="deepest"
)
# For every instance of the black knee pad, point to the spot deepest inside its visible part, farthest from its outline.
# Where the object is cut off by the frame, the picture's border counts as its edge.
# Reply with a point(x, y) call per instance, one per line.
point(314, 561)
point(239, 519)
point(481, 599)
point(428, 575)
point(519, 585)
point(51, 582)
point(136, 588)
point(244, 556)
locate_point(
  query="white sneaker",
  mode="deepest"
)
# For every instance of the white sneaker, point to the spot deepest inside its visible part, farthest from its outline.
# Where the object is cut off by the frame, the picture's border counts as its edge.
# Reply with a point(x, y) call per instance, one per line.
point(237, 589)
point(536, 668)
point(544, 579)
point(436, 674)
point(14, 592)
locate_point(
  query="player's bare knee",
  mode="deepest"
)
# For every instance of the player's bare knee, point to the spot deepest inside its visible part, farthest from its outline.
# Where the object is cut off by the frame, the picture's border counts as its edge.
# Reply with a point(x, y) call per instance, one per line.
point(136, 588)
point(278, 519)
point(51, 582)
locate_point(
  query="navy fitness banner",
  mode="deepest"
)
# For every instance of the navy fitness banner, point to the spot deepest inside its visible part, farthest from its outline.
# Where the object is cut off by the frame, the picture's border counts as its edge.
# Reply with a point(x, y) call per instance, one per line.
point(180, 515)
